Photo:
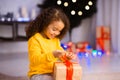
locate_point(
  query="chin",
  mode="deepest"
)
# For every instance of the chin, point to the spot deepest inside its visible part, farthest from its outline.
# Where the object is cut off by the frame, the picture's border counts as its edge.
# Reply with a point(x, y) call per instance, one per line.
point(51, 37)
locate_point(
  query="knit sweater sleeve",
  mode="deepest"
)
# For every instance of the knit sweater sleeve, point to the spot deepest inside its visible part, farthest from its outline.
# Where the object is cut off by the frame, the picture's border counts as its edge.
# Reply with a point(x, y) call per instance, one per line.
point(36, 56)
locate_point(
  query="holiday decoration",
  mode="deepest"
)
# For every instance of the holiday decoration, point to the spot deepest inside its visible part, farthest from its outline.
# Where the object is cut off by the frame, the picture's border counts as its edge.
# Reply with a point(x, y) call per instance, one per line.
point(67, 70)
point(103, 38)
point(76, 10)
point(83, 47)
point(71, 47)
point(60, 72)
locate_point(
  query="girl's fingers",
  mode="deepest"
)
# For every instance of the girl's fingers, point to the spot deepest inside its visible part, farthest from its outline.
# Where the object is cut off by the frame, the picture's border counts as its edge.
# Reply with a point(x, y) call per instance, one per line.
point(70, 55)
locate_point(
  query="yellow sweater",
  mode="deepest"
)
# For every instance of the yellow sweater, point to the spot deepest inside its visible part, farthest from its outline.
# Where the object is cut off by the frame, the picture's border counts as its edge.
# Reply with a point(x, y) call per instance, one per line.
point(40, 54)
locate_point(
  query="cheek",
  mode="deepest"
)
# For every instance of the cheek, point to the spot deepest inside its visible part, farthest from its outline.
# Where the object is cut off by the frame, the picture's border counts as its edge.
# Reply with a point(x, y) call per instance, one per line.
point(49, 32)
point(58, 33)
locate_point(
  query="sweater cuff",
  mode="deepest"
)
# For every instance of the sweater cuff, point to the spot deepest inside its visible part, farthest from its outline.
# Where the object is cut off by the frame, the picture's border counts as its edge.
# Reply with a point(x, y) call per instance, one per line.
point(51, 57)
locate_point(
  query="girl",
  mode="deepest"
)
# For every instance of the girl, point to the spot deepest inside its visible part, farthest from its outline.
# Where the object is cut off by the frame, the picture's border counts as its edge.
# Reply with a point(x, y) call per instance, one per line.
point(44, 35)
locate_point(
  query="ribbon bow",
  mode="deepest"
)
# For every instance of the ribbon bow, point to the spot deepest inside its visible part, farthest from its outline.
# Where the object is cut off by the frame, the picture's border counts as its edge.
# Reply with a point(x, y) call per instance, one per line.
point(69, 66)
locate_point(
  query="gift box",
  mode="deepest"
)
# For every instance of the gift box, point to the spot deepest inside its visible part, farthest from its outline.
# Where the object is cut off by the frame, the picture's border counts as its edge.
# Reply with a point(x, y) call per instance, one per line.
point(60, 71)
point(71, 47)
point(83, 47)
point(103, 38)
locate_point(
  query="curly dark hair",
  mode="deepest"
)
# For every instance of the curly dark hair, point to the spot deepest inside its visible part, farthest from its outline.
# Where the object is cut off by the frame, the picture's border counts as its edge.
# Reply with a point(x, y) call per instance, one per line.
point(47, 16)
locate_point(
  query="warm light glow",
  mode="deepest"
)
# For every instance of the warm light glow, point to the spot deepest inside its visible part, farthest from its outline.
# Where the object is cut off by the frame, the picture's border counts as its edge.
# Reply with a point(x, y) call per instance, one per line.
point(72, 12)
point(76, 10)
point(108, 52)
point(8, 19)
point(90, 3)
point(80, 13)
point(66, 4)
point(87, 7)
point(74, 1)
point(2, 19)
point(59, 2)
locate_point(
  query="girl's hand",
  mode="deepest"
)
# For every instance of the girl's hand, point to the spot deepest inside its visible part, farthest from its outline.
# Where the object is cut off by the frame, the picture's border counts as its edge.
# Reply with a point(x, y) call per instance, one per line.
point(70, 55)
point(59, 53)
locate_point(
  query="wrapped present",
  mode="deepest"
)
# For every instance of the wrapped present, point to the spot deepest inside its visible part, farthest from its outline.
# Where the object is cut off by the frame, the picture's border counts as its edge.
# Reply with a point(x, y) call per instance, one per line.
point(71, 47)
point(103, 38)
point(60, 71)
point(82, 44)
point(83, 47)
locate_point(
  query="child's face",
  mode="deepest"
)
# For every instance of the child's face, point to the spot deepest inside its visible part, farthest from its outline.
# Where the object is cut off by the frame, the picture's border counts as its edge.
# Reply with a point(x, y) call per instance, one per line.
point(54, 29)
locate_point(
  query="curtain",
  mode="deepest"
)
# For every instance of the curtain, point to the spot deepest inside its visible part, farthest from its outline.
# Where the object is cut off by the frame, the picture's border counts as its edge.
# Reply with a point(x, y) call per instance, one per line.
point(108, 15)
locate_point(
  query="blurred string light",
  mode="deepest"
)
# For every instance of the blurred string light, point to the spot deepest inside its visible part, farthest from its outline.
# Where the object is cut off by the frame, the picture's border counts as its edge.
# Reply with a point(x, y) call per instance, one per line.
point(94, 52)
point(59, 2)
point(66, 4)
point(74, 1)
point(86, 54)
point(80, 13)
point(73, 12)
point(76, 10)
point(90, 3)
point(99, 53)
point(87, 7)
point(83, 54)
point(64, 46)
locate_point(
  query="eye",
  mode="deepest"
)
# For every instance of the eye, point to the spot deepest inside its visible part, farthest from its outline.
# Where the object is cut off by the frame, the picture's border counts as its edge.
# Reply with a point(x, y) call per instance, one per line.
point(54, 29)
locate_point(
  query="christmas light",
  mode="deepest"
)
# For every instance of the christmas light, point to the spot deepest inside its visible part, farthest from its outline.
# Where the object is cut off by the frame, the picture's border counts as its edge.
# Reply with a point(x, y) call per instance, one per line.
point(8, 19)
point(2, 19)
point(74, 1)
point(72, 12)
point(80, 13)
point(99, 53)
point(90, 3)
point(87, 7)
point(59, 2)
point(86, 54)
point(66, 4)
point(94, 52)
point(64, 46)
point(74, 9)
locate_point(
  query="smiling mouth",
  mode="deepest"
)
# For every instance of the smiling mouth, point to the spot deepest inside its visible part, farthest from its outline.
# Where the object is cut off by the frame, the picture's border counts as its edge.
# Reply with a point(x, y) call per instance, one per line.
point(52, 36)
